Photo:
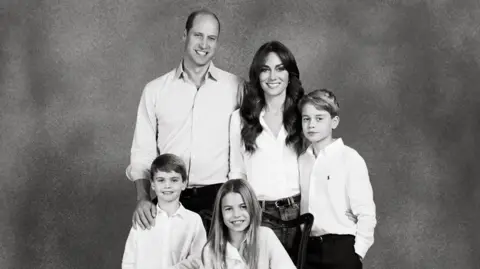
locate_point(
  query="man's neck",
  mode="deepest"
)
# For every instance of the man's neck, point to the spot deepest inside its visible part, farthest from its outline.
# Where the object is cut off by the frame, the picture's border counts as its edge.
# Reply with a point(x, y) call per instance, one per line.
point(195, 73)
point(169, 207)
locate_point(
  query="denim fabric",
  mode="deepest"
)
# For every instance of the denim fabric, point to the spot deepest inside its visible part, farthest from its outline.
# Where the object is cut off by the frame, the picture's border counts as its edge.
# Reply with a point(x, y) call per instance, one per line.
point(271, 220)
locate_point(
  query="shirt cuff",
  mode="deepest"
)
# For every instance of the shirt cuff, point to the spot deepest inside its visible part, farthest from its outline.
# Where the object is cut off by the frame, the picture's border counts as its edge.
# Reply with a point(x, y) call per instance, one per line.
point(133, 174)
point(234, 175)
point(361, 249)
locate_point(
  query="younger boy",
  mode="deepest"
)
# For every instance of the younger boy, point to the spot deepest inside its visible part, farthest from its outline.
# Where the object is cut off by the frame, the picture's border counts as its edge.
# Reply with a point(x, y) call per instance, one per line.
point(333, 179)
point(177, 239)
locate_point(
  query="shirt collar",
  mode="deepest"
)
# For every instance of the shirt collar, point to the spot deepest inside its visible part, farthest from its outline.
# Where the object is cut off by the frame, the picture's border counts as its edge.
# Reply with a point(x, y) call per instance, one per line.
point(283, 132)
point(336, 146)
point(212, 71)
point(181, 211)
point(233, 253)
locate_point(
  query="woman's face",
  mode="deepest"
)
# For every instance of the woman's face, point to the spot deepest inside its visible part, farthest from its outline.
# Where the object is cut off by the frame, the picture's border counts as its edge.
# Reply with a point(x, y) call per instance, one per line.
point(273, 76)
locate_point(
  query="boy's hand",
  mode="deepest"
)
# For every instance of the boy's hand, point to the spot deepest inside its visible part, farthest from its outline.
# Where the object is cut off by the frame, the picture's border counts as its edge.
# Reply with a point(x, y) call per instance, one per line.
point(351, 216)
point(144, 215)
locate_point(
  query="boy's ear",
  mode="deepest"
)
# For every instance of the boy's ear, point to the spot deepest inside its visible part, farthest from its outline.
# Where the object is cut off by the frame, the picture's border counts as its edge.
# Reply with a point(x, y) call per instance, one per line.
point(335, 122)
point(184, 185)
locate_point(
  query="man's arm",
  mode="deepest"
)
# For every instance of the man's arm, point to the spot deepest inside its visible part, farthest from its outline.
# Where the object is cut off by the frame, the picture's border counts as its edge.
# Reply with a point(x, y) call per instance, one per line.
point(240, 93)
point(360, 194)
point(145, 211)
point(143, 152)
point(237, 165)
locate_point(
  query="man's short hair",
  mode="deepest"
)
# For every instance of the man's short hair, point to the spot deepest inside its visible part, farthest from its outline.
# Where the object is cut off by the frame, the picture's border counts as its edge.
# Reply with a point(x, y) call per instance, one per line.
point(193, 15)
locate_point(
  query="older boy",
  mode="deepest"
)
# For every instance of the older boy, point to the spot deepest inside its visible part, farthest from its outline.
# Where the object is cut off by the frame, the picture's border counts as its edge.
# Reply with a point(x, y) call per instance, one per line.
point(333, 179)
point(177, 239)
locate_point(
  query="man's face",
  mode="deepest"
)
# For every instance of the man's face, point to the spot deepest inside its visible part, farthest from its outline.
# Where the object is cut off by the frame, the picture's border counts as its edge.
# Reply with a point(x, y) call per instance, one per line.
point(201, 40)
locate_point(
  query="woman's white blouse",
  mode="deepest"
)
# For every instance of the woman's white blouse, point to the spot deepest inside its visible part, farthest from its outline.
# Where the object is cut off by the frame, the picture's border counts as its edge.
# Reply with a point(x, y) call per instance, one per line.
point(272, 170)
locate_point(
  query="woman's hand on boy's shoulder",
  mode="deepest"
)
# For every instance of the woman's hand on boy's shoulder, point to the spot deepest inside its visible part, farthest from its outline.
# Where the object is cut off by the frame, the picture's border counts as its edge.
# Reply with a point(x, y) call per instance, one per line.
point(144, 215)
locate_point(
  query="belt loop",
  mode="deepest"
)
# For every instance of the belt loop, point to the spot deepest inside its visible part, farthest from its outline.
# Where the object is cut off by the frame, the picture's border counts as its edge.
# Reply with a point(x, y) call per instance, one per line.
point(290, 201)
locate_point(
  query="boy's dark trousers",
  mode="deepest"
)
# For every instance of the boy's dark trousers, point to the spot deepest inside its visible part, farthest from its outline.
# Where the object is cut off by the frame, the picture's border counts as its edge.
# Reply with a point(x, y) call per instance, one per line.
point(332, 251)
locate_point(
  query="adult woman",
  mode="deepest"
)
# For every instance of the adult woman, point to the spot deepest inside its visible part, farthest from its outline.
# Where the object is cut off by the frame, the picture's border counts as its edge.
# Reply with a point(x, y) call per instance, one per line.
point(265, 135)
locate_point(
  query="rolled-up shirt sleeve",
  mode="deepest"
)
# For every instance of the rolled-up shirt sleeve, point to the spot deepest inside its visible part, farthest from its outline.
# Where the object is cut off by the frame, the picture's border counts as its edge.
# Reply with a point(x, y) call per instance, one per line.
point(144, 145)
point(360, 194)
point(237, 165)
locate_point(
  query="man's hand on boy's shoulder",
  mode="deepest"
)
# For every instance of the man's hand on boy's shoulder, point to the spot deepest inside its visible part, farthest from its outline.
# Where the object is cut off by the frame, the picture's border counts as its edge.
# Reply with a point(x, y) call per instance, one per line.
point(144, 215)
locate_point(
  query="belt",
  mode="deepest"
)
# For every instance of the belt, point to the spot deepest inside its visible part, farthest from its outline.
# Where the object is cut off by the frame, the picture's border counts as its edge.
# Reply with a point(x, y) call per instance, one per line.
point(195, 190)
point(329, 237)
point(284, 202)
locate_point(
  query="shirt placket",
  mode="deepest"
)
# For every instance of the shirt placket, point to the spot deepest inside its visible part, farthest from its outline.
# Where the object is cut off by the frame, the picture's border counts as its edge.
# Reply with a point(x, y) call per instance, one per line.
point(194, 139)
point(165, 251)
point(275, 147)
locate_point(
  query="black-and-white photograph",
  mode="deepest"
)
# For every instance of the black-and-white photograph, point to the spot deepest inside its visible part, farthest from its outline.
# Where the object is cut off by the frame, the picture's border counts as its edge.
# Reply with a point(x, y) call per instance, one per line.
point(239, 134)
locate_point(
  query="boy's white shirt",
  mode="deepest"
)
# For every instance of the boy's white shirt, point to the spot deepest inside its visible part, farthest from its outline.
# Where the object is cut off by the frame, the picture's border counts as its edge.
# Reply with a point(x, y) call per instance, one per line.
point(173, 241)
point(333, 182)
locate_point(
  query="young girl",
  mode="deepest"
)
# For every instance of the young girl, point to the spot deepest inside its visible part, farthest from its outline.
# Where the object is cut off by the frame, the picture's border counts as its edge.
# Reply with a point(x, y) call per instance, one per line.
point(236, 239)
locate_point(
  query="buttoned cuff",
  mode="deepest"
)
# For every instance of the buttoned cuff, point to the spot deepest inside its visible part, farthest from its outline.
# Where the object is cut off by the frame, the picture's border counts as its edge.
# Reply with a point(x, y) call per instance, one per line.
point(233, 175)
point(361, 249)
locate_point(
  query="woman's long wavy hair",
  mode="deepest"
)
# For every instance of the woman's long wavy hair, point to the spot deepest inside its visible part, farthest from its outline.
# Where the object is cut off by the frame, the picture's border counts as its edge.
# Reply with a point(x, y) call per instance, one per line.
point(218, 235)
point(254, 99)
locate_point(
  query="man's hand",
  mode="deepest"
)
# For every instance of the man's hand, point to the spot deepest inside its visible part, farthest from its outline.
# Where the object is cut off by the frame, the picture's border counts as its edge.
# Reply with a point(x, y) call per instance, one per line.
point(144, 215)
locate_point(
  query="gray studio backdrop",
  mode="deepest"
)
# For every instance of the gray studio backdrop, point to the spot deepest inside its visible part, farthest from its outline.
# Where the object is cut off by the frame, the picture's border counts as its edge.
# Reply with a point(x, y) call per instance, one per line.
point(71, 73)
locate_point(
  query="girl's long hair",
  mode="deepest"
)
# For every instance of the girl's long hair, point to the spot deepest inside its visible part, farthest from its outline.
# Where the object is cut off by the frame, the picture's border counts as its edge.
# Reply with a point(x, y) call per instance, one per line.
point(254, 99)
point(218, 234)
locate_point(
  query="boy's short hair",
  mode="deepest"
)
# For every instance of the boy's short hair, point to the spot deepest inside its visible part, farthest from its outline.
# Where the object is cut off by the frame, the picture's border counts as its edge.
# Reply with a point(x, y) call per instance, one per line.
point(168, 163)
point(321, 99)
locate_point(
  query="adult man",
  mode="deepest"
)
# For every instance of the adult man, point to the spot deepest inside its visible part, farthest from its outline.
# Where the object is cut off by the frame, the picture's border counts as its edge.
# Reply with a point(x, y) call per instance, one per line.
point(186, 112)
